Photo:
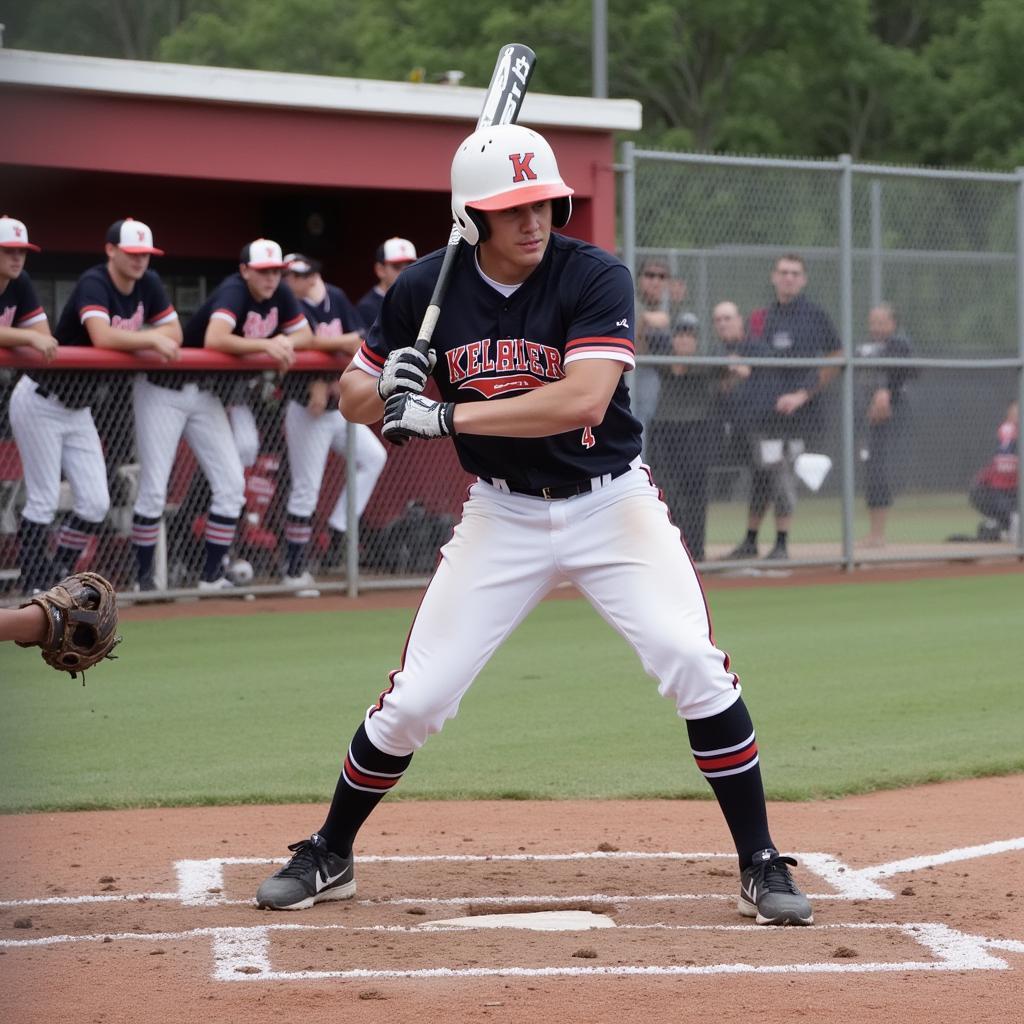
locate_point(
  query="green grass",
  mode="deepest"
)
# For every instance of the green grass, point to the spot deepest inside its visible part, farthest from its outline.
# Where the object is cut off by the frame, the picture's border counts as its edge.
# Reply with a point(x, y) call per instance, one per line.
point(914, 519)
point(853, 687)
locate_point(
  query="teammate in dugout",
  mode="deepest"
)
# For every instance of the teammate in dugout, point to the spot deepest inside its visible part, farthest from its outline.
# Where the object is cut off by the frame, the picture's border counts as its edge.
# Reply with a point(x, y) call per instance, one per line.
point(532, 342)
point(392, 257)
point(250, 311)
point(23, 323)
point(119, 305)
point(314, 426)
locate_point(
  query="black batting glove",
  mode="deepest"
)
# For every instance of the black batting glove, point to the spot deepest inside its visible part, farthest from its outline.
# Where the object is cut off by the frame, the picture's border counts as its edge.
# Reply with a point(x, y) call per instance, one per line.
point(405, 370)
point(407, 415)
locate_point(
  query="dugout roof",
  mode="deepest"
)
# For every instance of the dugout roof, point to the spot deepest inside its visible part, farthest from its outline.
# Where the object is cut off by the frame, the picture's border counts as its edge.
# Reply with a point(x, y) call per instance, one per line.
point(213, 157)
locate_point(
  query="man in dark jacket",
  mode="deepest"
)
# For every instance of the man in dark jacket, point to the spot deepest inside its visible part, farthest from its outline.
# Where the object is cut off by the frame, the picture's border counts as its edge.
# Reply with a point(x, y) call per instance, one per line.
point(784, 407)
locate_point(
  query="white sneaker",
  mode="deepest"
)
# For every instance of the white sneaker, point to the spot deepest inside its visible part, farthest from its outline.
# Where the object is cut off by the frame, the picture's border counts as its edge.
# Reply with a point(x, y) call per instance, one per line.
point(304, 585)
point(220, 583)
point(301, 582)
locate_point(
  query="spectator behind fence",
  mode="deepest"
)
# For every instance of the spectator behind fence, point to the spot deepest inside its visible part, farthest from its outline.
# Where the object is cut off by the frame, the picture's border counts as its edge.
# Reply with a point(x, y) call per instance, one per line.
point(685, 434)
point(781, 407)
point(314, 426)
point(994, 491)
point(392, 257)
point(248, 312)
point(882, 415)
point(120, 305)
point(658, 298)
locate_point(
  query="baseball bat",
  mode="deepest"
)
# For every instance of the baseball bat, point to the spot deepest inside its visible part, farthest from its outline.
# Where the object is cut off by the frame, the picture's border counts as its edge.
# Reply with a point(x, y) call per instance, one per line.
point(502, 104)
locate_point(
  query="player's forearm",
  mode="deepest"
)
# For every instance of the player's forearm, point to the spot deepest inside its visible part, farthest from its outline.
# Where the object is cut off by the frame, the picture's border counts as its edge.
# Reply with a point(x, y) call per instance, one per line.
point(105, 336)
point(348, 343)
point(546, 411)
point(359, 402)
point(303, 338)
point(13, 336)
point(24, 625)
point(234, 345)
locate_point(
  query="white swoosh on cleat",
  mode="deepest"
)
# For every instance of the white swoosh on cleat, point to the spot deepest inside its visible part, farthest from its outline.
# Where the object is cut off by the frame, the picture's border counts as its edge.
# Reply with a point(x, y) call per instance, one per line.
point(321, 884)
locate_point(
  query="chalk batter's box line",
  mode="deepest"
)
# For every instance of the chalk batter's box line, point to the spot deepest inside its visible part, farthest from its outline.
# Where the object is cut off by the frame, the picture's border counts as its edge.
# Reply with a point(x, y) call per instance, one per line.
point(200, 882)
point(243, 954)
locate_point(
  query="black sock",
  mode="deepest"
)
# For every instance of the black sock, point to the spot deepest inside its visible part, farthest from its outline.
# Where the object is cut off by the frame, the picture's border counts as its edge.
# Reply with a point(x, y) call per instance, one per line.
point(220, 533)
point(145, 531)
point(297, 532)
point(366, 777)
point(781, 536)
point(337, 548)
point(32, 558)
point(72, 539)
point(722, 744)
point(751, 538)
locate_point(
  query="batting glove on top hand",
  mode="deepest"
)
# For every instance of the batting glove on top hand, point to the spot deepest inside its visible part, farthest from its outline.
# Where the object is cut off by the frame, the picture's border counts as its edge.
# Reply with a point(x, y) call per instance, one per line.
point(408, 416)
point(405, 370)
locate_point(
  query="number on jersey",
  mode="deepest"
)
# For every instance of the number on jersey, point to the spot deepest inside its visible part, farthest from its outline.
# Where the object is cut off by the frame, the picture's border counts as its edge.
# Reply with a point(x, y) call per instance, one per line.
point(588, 438)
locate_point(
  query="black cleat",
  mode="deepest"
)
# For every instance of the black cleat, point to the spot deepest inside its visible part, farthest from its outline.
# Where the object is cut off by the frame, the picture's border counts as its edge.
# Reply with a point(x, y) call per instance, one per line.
point(769, 894)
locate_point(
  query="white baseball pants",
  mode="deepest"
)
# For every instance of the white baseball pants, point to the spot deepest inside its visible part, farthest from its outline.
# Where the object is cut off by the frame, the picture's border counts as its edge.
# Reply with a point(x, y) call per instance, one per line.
point(162, 416)
point(50, 438)
point(310, 439)
point(616, 545)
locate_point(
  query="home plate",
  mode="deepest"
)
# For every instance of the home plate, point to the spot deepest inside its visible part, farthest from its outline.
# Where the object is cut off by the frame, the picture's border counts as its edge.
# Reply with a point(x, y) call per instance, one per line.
point(542, 921)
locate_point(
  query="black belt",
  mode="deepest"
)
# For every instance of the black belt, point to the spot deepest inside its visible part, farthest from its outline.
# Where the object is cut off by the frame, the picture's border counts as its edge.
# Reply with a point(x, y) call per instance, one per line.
point(561, 490)
point(175, 380)
point(50, 393)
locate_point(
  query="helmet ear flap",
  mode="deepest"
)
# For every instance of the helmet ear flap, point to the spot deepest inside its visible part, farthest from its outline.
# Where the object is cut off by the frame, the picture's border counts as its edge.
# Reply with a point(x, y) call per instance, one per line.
point(561, 211)
point(479, 218)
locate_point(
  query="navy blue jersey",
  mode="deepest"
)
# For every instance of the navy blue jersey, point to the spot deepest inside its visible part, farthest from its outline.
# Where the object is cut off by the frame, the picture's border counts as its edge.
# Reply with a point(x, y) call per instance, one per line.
point(577, 304)
point(334, 316)
point(96, 295)
point(232, 302)
point(19, 304)
point(368, 307)
point(797, 329)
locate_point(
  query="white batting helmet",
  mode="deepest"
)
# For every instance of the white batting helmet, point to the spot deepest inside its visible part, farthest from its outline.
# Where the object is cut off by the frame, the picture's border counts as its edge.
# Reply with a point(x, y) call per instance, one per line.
point(502, 166)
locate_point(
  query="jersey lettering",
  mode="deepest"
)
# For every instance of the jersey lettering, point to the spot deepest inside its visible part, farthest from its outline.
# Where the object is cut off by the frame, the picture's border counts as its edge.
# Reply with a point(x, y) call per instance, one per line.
point(130, 323)
point(521, 169)
point(329, 328)
point(7, 316)
point(257, 326)
point(507, 364)
point(588, 438)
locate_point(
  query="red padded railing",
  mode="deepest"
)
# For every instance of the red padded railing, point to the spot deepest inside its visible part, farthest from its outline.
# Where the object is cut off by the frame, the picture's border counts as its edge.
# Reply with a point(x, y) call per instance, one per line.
point(86, 357)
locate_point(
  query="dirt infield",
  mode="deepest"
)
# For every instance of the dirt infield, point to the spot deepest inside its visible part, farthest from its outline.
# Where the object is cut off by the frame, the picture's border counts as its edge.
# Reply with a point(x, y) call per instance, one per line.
point(147, 916)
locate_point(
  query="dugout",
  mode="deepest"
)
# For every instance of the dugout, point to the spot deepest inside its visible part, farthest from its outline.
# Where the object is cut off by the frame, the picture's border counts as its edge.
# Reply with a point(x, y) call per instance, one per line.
point(211, 158)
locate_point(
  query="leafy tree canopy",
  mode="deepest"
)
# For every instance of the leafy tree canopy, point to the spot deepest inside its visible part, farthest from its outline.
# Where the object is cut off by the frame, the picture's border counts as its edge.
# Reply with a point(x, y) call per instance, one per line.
point(916, 81)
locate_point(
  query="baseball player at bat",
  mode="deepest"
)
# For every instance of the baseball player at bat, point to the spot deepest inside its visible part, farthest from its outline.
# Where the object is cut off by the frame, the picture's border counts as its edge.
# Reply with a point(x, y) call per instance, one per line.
point(120, 305)
point(531, 346)
point(314, 427)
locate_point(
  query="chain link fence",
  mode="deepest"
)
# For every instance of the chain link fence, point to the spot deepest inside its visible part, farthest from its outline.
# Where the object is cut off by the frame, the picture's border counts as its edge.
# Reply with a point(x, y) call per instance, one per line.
point(403, 504)
point(907, 449)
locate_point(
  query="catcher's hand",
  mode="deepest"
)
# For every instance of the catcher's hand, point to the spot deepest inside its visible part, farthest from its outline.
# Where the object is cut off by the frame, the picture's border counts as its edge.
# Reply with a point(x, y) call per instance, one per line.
point(81, 622)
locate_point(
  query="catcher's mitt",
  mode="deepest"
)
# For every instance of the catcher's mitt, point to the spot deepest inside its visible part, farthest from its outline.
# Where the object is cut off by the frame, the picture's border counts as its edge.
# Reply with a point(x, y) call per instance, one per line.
point(81, 618)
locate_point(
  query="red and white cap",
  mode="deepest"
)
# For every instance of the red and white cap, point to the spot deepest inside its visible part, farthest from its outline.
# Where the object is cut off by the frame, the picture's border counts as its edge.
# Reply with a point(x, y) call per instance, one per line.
point(262, 254)
point(14, 235)
point(132, 236)
point(397, 250)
